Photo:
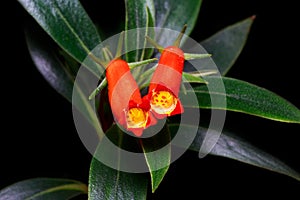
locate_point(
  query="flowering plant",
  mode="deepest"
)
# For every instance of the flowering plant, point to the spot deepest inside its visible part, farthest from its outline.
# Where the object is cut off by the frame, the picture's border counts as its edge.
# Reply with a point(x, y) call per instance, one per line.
point(146, 101)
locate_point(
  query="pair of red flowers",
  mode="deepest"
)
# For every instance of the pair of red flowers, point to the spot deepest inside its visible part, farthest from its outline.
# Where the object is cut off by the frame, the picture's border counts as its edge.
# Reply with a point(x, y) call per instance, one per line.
point(135, 112)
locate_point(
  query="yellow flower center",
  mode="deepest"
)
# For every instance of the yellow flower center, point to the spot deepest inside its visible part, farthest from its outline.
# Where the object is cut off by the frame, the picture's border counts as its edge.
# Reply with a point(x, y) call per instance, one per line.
point(163, 102)
point(136, 118)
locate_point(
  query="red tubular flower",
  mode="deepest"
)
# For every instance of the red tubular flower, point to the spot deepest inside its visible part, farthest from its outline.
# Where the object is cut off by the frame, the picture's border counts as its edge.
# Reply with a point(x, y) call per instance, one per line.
point(128, 108)
point(165, 83)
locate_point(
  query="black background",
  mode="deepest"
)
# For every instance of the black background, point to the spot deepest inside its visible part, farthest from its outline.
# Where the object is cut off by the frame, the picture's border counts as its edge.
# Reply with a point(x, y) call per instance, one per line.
point(38, 137)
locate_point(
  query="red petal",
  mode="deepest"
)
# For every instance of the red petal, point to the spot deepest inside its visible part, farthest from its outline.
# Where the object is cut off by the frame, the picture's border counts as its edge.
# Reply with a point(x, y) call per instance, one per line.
point(172, 57)
point(124, 94)
point(169, 70)
point(159, 116)
point(137, 131)
point(122, 89)
point(178, 110)
point(151, 120)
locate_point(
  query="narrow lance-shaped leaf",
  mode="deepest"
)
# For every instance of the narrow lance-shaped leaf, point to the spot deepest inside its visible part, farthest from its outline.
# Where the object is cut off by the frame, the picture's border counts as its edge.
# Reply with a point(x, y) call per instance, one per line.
point(157, 150)
point(139, 15)
point(233, 147)
point(243, 97)
point(173, 14)
point(67, 23)
point(49, 63)
point(227, 44)
point(230, 146)
point(43, 188)
point(190, 78)
point(60, 72)
point(108, 183)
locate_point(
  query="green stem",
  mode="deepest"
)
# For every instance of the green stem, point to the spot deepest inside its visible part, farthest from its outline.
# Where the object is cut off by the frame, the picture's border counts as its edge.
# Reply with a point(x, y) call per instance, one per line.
point(120, 45)
point(153, 43)
point(107, 54)
point(98, 89)
point(191, 56)
point(97, 60)
point(140, 63)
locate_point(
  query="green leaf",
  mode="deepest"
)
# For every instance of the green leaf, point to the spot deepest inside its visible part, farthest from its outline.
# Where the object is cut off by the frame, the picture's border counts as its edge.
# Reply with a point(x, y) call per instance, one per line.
point(190, 78)
point(173, 14)
point(43, 188)
point(139, 14)
point(243, 97)
point(59, 69)
point(108, 183)
point(227, 44)
point(230, 146)
point(157, 151)
point(67, 23)
point(49, 61)
point(233, 147)
point(85, 107)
